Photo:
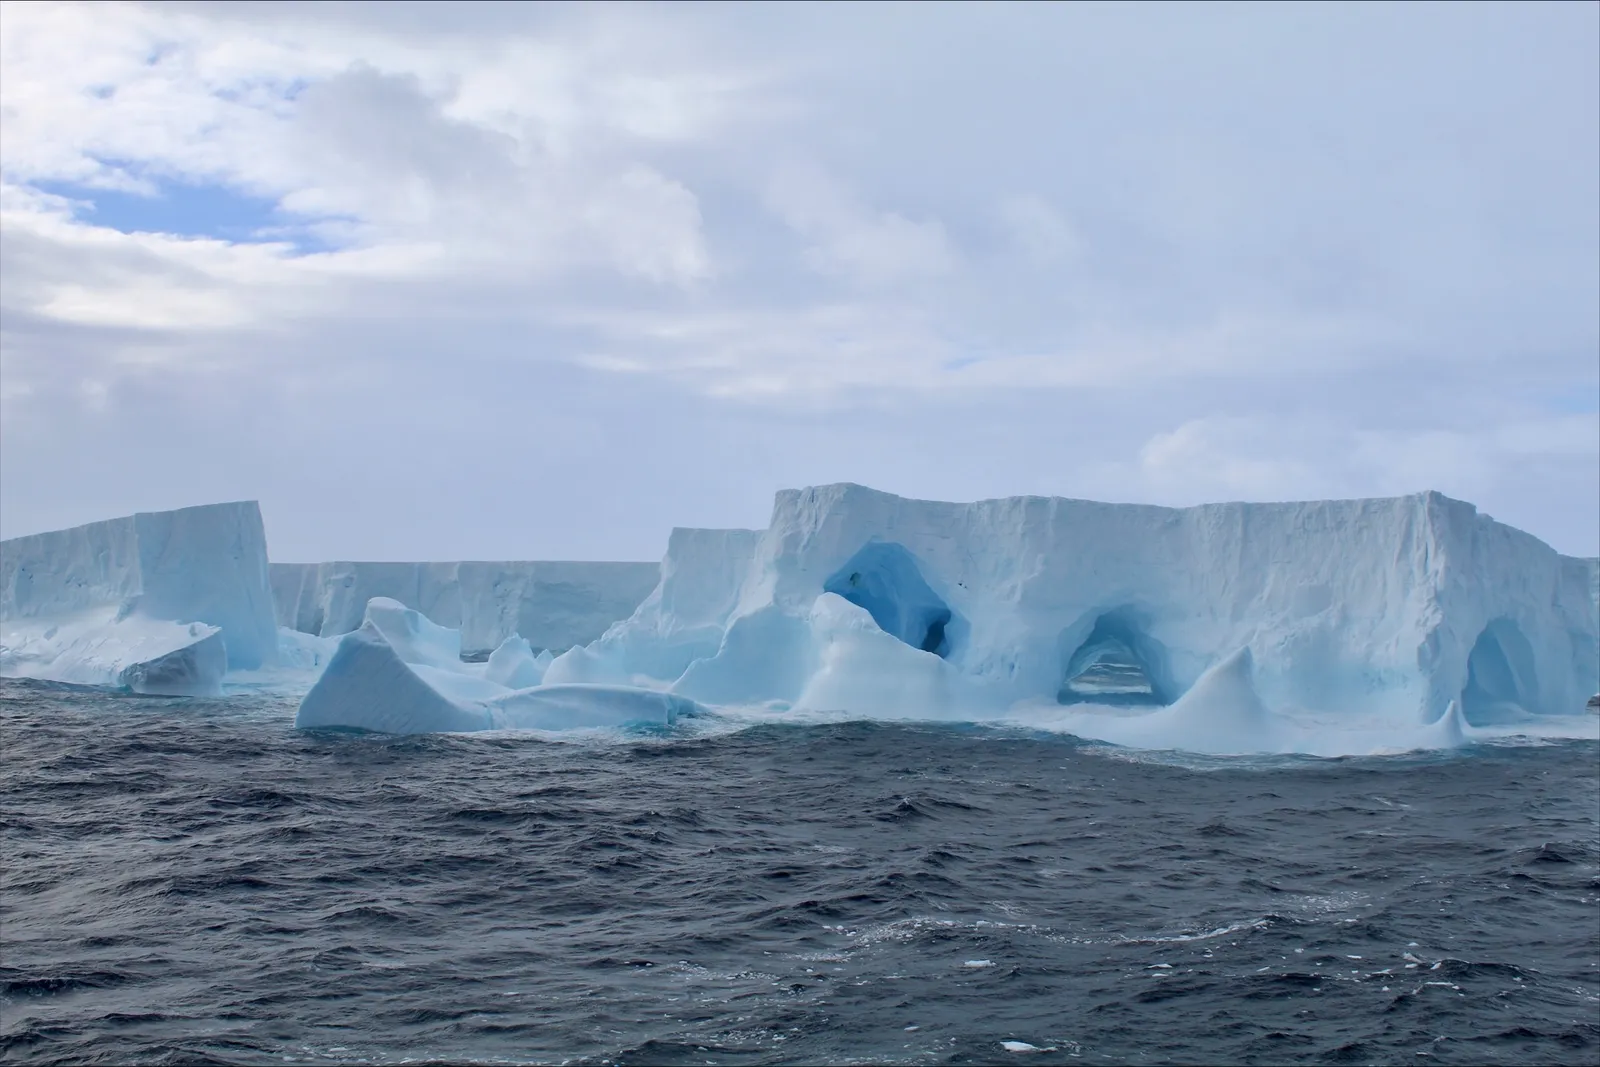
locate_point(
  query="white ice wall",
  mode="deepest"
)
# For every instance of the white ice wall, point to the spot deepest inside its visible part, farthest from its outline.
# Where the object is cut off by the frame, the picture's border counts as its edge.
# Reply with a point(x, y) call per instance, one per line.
point(204, 564)
point(551, 604)
point(1358, 605)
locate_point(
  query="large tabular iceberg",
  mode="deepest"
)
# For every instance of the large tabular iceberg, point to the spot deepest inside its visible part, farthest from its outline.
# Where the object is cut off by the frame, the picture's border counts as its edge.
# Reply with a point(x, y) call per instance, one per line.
point(1414, 610)
point(554, 605)
point(161, 602)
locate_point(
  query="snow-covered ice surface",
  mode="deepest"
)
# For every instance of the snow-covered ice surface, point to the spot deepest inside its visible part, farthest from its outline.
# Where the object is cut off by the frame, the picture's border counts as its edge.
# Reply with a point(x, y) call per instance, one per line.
point(161, 602)
point(552, 605)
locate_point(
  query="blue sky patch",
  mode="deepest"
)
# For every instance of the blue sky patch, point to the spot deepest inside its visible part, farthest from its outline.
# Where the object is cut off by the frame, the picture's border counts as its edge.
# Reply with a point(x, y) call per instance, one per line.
point(186, 210)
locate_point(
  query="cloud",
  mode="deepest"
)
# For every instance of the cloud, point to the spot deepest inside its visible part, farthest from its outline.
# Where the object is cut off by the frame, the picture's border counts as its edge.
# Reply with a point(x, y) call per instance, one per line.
point(847, 240)
point(447, 147)
point(1045, 249)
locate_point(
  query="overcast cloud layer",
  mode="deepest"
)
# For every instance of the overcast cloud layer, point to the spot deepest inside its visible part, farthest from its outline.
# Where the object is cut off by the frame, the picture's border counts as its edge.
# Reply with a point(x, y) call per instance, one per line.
point(532, 282)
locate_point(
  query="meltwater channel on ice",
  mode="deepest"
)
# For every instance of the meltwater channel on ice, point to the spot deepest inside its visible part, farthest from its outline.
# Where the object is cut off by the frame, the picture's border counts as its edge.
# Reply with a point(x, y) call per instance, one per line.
point(1325, 628)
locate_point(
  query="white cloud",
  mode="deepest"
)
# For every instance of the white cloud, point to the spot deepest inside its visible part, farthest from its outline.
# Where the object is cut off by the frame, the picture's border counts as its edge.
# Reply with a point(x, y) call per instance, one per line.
point(61, 269)
point(808, 355)
point(650, 225)
point(447, 145)
point(848, 240)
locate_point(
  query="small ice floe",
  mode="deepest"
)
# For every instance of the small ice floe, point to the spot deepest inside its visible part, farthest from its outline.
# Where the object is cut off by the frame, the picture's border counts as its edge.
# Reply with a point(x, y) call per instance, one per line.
point(1024, 1047)
point(976, 964)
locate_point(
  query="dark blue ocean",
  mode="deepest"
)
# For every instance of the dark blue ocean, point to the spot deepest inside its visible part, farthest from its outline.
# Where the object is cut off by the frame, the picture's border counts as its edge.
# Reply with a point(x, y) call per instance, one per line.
point(191, 881)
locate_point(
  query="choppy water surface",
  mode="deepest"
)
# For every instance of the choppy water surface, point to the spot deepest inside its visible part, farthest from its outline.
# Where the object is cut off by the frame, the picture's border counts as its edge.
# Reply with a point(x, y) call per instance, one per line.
point(190, 881)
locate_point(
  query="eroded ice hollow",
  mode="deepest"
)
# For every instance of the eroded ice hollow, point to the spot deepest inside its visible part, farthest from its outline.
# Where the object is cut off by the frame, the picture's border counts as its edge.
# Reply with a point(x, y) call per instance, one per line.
point(160, 602)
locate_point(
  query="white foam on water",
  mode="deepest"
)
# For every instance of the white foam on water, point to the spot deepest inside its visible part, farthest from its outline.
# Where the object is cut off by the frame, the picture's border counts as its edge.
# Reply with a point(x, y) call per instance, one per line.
point(1221, 931)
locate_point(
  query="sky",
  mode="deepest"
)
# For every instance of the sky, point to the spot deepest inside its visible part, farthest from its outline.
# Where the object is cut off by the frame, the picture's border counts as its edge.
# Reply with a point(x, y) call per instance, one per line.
point(494, 281)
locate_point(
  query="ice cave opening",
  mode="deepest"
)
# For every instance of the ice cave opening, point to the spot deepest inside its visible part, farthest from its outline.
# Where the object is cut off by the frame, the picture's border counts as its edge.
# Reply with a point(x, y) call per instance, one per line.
point(1116, 664)
point(884, 579)
point(1500, 678)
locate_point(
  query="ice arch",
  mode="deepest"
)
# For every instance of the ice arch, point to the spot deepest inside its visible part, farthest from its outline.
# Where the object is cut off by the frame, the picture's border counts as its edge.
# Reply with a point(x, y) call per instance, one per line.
point(1118, 663)
point(1500, 679)
point(884, 579)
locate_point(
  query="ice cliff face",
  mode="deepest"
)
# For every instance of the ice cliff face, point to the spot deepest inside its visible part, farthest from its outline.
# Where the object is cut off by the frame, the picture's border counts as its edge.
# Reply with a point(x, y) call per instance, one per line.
point(551, 605)
point(854, 598)
point(160, 601)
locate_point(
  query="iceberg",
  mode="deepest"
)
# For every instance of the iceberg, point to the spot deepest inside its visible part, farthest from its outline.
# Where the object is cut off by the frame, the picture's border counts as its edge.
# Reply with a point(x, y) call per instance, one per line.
point(1236, 618)
point(159, 602)
point(554, 605)
point(402, 673)
point(1228, 627)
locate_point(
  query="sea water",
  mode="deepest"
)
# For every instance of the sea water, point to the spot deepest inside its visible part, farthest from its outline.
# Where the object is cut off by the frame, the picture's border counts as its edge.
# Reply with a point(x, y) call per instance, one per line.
point(194, 881)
